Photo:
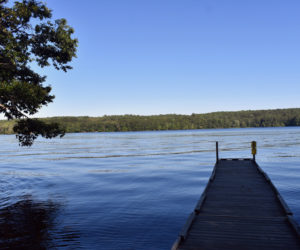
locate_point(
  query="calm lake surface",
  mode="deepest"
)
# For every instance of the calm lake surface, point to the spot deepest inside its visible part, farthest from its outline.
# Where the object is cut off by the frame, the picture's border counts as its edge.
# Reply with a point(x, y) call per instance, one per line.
point(130, 190)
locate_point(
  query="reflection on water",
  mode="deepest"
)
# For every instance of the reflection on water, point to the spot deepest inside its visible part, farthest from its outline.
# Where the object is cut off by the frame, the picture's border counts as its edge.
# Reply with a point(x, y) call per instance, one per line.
point(124, 191)
point(29, 224)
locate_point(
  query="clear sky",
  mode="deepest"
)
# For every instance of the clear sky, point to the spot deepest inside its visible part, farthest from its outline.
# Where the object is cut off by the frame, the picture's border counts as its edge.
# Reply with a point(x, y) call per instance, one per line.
point(178, 56)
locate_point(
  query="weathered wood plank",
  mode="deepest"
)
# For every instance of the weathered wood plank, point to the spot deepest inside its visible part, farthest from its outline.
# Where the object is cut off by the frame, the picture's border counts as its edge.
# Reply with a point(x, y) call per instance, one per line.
point(240, 209)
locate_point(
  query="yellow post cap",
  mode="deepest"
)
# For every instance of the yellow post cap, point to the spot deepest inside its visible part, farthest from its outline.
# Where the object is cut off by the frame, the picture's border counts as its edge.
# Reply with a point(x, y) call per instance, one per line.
point(253, 147)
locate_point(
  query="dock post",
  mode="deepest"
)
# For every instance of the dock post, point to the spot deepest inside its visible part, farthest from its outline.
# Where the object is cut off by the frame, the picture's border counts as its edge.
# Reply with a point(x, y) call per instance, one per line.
point(253, 149)
point(217, 151)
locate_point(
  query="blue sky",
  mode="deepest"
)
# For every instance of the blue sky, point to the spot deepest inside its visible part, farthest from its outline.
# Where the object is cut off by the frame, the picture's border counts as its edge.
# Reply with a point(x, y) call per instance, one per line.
point(178, 56)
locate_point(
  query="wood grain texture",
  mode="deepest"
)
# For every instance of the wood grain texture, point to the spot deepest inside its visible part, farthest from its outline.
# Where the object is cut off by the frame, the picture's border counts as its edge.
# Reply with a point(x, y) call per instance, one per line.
point(242, 209)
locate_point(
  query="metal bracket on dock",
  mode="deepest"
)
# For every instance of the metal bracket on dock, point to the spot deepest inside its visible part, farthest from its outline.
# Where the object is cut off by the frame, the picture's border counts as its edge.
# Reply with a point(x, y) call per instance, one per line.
point(294, 224)
point(266, 177)
point(200, 203)
point(187, 226)
point(176, 244)
point(284, 205)
point(213, 174)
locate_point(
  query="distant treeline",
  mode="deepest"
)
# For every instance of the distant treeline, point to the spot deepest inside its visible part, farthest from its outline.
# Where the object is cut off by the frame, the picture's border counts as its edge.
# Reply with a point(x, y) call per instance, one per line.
point(239, 119)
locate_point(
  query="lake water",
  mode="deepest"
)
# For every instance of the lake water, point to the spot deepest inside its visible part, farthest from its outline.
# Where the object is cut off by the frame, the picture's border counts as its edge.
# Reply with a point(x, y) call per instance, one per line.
point(130, 190)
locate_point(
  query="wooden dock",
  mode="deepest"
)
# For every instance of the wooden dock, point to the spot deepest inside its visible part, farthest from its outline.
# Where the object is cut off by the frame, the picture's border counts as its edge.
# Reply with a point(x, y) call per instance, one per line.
point(240, 208)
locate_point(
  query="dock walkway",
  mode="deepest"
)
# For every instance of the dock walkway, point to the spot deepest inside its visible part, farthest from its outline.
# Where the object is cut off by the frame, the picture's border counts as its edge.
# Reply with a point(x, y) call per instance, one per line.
point(240, 208)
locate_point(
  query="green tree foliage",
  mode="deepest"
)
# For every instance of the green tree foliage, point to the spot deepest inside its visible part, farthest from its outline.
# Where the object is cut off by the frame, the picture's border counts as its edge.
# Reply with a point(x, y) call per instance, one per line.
point(240, 119)
point(28, 36)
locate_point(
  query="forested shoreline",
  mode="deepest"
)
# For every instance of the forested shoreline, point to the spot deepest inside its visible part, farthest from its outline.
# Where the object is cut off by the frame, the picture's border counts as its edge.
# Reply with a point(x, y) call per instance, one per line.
point(119, 123)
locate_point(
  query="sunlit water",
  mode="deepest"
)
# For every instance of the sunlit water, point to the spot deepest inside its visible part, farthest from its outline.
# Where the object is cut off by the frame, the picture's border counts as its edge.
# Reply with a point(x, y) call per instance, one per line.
point(130, 190)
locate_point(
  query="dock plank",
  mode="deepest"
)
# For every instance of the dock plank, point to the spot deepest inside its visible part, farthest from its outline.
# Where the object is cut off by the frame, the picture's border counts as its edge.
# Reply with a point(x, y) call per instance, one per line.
point(240, 209)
